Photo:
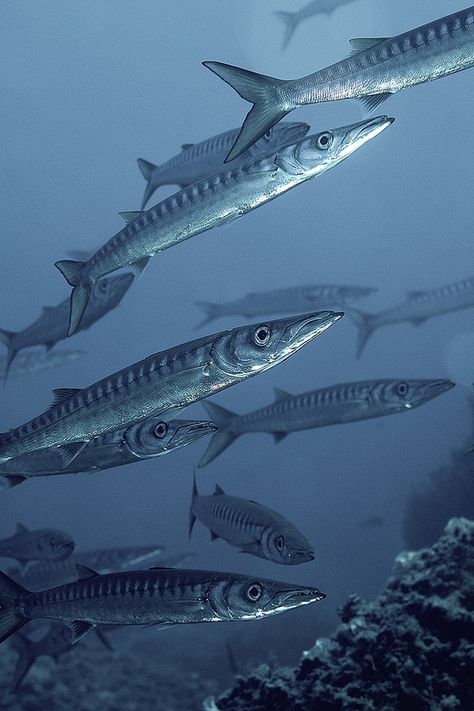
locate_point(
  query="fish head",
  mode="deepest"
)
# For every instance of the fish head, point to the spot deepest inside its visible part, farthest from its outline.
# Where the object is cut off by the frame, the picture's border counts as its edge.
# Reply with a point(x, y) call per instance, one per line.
point(398, 395)
point(246, 598)
point(248, 350)
point(53, 545)
point(154, 436)
point(109, 291)
point(321, 151)
point(286, 545)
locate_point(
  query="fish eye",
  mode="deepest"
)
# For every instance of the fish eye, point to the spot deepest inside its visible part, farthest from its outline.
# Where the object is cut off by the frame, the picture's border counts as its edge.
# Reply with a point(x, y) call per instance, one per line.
point(262, 335)
point(324, 140)
point(103, 285)
point(161, 429)
point(402, 389)
point(268, 134)
point(254, 592)
point(280, 543)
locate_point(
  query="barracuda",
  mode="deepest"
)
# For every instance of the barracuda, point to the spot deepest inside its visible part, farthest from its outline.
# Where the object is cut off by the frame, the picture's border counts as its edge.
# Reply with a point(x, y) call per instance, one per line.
point(291, 20)
point(35, 362)
point(378, 67)
point(163, 383)
point(223, 197)
point(44, 544)
point(338, 404)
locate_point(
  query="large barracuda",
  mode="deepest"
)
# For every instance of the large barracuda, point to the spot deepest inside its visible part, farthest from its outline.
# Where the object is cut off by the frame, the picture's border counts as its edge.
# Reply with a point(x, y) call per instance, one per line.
point(291, 20)
point(231, 193)
point(293, 299)
point(148, 597)
point(338, 404)
point(36, 362)
point(51, 326)
point(377, 68)
point(44, 544)
point(199, 160)
point(152, 438)
point(163, 383)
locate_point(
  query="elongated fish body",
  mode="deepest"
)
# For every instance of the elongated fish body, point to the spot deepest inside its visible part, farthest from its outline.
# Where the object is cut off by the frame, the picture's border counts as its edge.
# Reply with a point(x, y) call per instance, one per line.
point(57, 641)
point(214, 201)
point(43, 544)
point(166, 596)
point(418, 308)
point(152, 438)
point(51, 326)
point(377, 68)
point(199, 160)
point(291, 20)
point(250, 526)
point(338, 404)
point(36, 362)
point(163, 383)
point(293, 299)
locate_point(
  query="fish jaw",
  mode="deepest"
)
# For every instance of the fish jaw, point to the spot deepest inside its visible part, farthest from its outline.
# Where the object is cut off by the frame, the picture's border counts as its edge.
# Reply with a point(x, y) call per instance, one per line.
point(428, 390)
point(289, 599)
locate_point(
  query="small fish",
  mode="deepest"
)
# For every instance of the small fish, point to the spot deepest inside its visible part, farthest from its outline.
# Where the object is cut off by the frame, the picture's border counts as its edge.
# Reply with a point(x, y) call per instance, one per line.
point(162, 384)
point(249, 526)
point(337, 404)
point(57, 641)
point(152, 438)
point(51, 326)
point(198, 160)
point(377, 68)
point(43, 544)
point(416, 309)
point(164, 596)
point(35, 362)
point(291, 20)
point(218, 199)
point(293, 299)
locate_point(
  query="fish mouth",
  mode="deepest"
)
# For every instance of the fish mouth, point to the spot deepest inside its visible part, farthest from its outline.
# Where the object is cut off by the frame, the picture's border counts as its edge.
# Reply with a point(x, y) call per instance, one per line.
point(360, 133)
point(294, 598)
point(432, 389)
point(304, 328)
point(192, 431)
point(300, 556)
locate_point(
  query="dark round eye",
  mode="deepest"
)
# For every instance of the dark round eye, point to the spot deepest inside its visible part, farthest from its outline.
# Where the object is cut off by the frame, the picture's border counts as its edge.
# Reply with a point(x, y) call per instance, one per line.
point(268, 134)
point(280, 542)
point(103, 286)
point(161, 429)
point(262, 335)
point(402, 389)
point(324, 140)
point(254, 592)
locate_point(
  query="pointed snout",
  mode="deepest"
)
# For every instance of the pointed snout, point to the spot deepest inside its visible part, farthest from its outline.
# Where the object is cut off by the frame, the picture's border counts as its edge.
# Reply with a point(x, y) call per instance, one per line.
point(432, 388)
point(303, 329)
point(363, 131)
point(192, 430)
point(296, 597)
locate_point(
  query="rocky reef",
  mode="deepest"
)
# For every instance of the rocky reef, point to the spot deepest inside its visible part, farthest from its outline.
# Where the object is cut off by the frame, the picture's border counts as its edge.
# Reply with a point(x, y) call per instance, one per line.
point(412, 648)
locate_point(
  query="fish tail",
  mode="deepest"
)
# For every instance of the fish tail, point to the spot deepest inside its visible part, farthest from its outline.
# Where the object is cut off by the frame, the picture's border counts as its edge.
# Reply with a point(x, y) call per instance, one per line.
point(263, 92)
point(146, 169)
point(290, 20)
point(72, 270)
point(221, 439)
point(211, 310)
point(365, 326)
point(21, 645)
point(10, 619)
point(6, 337)
point(192, 517)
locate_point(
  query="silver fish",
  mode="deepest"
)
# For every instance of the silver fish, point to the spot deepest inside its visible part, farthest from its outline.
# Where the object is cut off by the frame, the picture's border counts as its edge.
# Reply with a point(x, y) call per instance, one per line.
point(35, 362)
point(163, 383)
point(418, 308)
point(57, 641)
point(291, 20)
point(51, 326)
point(377, 68)
point(293, 299)
point(216, 200)
point(250, 526)
point(158, 596)
point(152, 438)
point(199, 160)
point(44, 544)
point(338, 404)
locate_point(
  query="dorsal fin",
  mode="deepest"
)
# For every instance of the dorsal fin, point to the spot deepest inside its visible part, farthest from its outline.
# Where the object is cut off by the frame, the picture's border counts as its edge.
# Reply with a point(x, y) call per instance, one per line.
point(362, 44)
point(20, 528)
point(131, 215)
point(185, 146)
point(218, 491)
point(84, 572)
point(61, 394)
point(281, 394)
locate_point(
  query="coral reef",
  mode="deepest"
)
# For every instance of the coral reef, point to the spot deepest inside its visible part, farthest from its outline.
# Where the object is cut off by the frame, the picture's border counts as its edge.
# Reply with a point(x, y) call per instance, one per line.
point(412, 648)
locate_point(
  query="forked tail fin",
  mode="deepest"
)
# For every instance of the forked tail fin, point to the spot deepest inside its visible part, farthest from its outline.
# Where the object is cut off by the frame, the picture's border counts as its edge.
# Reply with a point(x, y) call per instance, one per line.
point(223, 437)
point(10, 619)
point(81, 291)
point(192, 517)
point(290, 20)
point(365, 326)
point(6, 337)
point(262, 92)
point(147, 169)
point(211, 310)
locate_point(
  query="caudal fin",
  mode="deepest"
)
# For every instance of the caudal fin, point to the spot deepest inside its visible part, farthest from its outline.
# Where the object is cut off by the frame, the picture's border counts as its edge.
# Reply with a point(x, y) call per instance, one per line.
point(81, 291)
point(6, 337)
point(262, 92)
point(290, 20)
point(10, 619)
point(147, 169)
point(192, 517)
point(365, 326)
point(211, 310)
point(223, 437)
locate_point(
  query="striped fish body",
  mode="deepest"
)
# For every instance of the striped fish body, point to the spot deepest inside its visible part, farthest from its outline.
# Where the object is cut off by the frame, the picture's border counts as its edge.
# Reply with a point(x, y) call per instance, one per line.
point(36, 361)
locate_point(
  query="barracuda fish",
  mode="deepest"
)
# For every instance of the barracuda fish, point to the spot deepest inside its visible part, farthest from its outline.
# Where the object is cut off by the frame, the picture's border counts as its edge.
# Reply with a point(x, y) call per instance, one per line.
point(57, 641)
point(249, 526)
point(418, 308)
point(163, 383)
point(291, 20)
point(52, 324)
point(199, 160)
point(148, 597)
point(293, 299)
point(223, 197)
point(338, 404)
point(152, 438)
point(44, 544)
point(36, 361)
point(377, 68)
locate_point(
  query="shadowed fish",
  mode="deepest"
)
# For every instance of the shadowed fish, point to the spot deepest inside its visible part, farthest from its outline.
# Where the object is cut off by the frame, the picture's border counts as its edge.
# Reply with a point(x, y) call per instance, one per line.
point(152, 438)
point(51, 326)
point(337, 404)
point(56, 642)
point(291, 20)
point(163, 383)
point(250, 526)
point(377, 68)
point(198, 160)
point(43, 544)
point(163, 596)
point(214, 201)
point(35, 362)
